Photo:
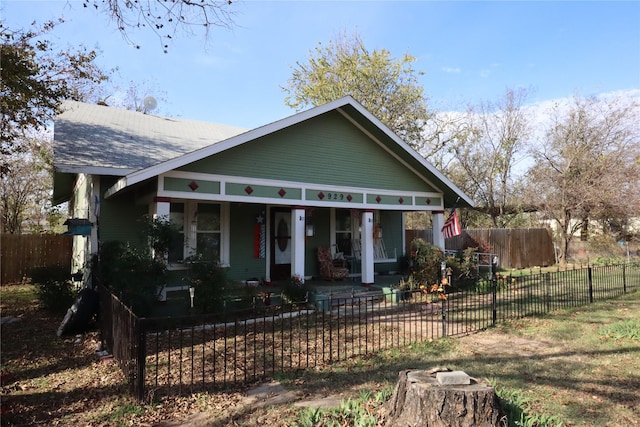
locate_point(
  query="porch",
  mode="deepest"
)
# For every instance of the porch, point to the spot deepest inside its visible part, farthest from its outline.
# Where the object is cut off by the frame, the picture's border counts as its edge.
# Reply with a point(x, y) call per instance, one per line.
point(178, 301)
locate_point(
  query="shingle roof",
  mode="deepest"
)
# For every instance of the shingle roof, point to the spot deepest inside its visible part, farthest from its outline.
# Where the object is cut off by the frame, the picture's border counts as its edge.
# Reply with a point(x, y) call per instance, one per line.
point(89, 136)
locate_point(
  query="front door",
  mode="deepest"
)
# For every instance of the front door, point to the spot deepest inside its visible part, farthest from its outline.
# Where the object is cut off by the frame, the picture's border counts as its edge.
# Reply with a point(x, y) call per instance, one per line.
point(280, 244)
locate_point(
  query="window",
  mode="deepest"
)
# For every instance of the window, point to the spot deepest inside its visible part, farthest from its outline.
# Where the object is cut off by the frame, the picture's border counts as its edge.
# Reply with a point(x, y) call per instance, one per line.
point(200, 227)
point(343, 231)
point(208, 231)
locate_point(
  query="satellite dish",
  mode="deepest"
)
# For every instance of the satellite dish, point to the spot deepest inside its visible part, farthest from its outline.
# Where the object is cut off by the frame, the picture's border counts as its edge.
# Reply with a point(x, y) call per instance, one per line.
point(149, 104)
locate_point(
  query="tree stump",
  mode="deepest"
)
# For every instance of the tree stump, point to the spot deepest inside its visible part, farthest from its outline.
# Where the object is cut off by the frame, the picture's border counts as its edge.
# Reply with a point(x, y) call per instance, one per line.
point(420, 400)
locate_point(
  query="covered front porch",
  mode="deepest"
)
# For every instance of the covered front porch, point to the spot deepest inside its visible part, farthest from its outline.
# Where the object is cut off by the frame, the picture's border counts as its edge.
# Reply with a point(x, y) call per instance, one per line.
point(178, 300)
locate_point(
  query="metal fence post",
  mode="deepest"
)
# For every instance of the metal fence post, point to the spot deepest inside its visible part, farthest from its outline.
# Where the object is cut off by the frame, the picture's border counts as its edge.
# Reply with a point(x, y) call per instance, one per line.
point(494, 302)
point(141, 359)
point(624, 278)
point(444, 318)
point(547, 291)
point(590, 276)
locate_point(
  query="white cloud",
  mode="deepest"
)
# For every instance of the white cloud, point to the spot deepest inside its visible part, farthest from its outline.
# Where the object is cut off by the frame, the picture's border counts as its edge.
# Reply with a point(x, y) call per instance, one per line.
point(538, 116)
point(451, 70)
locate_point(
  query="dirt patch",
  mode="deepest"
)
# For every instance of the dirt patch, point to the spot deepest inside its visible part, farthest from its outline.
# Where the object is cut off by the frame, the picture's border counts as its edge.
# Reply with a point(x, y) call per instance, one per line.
point(271, 393)
point(490, 344)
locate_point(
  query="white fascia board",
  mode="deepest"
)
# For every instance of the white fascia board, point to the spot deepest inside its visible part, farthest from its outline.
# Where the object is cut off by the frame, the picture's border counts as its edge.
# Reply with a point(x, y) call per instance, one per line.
point(119, 185)
point(92, 170)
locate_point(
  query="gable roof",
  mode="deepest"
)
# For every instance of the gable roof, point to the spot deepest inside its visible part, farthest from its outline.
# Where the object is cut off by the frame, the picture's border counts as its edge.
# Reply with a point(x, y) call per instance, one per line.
point(159, 145)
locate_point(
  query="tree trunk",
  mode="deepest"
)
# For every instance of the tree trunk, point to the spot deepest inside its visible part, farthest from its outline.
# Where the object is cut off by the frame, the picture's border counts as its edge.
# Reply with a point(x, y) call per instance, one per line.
point(420, 400)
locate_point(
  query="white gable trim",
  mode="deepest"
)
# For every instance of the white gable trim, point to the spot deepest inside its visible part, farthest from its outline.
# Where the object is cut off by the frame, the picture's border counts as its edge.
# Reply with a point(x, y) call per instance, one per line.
point(406, 148)
point(164, 167)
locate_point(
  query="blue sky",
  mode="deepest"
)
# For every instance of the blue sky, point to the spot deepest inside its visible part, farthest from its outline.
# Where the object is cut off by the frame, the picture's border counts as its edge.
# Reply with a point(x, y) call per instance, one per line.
point(469, 51)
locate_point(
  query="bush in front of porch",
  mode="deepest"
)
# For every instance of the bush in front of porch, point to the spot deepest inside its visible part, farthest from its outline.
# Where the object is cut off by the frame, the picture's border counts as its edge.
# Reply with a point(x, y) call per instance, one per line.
point(132, 275)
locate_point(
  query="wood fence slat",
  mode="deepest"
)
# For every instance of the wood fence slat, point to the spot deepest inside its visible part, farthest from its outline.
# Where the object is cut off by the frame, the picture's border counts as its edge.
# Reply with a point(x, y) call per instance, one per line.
point(515, 247)
point(19, 253)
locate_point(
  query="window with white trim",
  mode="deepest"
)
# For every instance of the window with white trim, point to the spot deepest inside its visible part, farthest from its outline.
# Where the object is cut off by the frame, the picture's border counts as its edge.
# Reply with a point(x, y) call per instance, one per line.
point(344, 231)
point(208, 231)
point(200, 224)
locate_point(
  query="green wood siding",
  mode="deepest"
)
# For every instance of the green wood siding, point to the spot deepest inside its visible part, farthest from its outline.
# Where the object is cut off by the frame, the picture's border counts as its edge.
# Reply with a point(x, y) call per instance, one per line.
point(120, 216)
point(391, 222)
point(253, 190)
point(428, 201)
point(326, 150)
point(192, 186)
point(389, 200)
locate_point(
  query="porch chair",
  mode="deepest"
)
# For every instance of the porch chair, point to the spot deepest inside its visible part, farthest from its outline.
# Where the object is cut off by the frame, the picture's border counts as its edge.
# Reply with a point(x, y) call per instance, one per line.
point(328, 271)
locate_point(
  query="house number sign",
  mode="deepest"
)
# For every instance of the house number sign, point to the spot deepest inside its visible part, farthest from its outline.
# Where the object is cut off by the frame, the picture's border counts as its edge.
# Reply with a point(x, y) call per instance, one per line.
point(330, 195)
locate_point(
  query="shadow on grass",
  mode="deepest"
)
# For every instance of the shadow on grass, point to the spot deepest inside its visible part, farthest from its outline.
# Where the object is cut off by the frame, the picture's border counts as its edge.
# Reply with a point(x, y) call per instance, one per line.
point(45, 408)
point(563, 370)
point(31, 348)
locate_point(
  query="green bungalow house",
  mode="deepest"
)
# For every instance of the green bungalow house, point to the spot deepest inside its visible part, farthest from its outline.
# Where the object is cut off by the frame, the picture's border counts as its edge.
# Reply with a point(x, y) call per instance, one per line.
point(261, 202)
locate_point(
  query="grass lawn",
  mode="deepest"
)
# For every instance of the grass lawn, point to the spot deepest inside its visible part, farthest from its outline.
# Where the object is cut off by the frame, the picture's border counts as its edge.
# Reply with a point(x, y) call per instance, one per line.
point(574, 367)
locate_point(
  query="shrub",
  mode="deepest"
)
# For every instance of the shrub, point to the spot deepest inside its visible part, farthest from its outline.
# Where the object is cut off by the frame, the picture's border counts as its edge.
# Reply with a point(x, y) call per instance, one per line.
point(211, 285)
point(130, 274)
point(160, 235)
point(294, 291)
point(464, 265)
point(53, 287)
point(425, 262)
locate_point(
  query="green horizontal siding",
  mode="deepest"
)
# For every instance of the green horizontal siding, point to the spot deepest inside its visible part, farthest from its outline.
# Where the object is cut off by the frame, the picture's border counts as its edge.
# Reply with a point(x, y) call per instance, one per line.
point(252, 190)
point(428, 201)
point(326, 150)
point(120, 219)
point(389, 200)
point(180, 184)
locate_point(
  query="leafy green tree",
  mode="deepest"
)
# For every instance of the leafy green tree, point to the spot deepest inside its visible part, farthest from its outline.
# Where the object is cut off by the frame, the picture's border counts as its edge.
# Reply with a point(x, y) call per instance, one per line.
point(388, 87)
point(25, 188)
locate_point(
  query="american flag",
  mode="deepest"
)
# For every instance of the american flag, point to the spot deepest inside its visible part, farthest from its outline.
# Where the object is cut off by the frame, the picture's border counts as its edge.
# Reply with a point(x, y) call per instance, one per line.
point(451, 225)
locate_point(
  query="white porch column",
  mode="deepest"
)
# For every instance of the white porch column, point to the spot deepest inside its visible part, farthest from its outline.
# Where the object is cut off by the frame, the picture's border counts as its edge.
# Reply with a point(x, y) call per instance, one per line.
point(437, 221)
point(160, 209)
point(94, 214)
point(366, 240)
point(297, 242)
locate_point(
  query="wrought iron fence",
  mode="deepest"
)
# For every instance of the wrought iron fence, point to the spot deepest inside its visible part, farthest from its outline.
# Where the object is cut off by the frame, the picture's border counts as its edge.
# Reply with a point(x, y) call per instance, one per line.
point(203, 352)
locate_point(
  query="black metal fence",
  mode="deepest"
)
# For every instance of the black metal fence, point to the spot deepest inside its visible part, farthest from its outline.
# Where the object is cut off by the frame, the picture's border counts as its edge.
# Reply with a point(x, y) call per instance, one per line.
point(172, 355)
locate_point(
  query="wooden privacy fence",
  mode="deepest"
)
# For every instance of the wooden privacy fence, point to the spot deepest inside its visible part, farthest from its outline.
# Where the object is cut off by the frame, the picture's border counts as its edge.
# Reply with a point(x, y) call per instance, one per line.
point(19, 253)
point(515, 247)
